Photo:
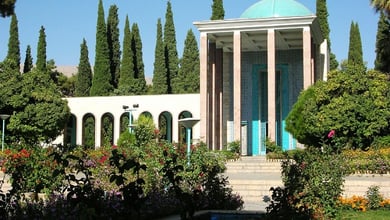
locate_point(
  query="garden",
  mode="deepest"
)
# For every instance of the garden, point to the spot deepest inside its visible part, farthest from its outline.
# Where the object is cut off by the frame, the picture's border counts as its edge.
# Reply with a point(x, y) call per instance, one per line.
point(344, 124)
point(138, 179)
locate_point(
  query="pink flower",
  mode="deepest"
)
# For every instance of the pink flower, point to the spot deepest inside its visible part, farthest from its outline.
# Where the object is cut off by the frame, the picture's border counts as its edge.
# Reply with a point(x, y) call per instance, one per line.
point(331, 133)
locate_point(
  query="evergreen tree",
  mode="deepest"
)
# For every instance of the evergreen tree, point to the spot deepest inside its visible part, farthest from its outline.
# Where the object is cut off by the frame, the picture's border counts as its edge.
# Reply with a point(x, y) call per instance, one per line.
point(7, 7)
point(322, 15)
point(139, 70)
point(189, 69)
point(171, 57)
point(113, 43)
point(41, 53)
point(101, 81)
point(355, 52)
point(13, 43)
point(160, 78)
point(84, 74)
point(126, 78)
point(218, 12)
point(28, 61)
point(381, 5)
point(382, 61)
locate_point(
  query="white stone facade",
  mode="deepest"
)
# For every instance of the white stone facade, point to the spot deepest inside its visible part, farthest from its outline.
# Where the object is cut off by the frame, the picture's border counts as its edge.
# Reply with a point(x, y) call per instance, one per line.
point(154, 104)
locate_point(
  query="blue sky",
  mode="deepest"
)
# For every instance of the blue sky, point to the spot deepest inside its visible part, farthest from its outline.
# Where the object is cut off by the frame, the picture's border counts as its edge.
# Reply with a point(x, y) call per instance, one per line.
point(68, 22)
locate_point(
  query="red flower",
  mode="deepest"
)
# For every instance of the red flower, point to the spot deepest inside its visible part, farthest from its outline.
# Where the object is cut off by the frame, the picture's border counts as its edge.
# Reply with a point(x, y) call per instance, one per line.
point(114, 147)
point(103, 159)
point(331, 133)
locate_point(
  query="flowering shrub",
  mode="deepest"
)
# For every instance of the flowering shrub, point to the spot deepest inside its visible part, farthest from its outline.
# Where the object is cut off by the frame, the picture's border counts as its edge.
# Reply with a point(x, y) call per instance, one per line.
point(372, 201)
point(30, 169)
point(371, 161)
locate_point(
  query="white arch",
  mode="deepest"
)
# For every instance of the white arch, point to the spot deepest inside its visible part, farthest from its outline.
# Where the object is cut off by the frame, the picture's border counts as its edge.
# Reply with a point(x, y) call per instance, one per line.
point(154, 104)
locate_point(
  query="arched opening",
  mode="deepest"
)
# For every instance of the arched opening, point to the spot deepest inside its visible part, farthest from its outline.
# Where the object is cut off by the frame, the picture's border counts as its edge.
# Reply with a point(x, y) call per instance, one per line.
point(70, 132)
point(124, 122)
point(88, 131)
point(107, 130)
point(182, 129)
point(147, 114)
point(165, 126)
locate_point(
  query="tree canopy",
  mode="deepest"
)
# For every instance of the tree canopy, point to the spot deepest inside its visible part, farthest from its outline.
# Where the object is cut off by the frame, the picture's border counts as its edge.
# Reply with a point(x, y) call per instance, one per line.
point(218, 12)
point(13, 43)
point(382, 60)
point(38, 113)
point(354, 103)
point(355, 51)
point(101, 81)
point(7, 7)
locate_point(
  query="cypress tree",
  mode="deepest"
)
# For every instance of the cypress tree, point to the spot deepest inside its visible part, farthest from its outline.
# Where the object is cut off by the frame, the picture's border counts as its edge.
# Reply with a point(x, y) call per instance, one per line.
point(322, 15)
point(113, 44)
point(171, 57)
point(382, 60)
point(139, 70)
point(189, 69)
point(84, 73)
point(101, 81)
point(355, 52)
point(28, 61)
point(126, 78)
point(160, 78)
point(218, 12)
point(41, 53)
point(13, 43)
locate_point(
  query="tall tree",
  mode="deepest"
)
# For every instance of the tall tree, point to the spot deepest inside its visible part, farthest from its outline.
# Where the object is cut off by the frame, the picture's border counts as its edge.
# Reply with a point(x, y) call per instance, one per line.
point(382, 61)
point(84, 74)
point(28, 61)
point(171, 57)
point(218, 12)
point(355, 52)
point(101, 81)
point(189, 69)
point(381, 5)
point(139, 70)
point(13, 43)
point(322, 15)
point(7, 7)
point(41, 53)
point(113, 43)
point(160, 78)
point(126, 78)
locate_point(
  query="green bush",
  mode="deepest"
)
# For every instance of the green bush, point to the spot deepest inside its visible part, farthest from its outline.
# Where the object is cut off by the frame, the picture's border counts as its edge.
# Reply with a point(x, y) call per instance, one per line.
point(353, 102)
point(312, 185)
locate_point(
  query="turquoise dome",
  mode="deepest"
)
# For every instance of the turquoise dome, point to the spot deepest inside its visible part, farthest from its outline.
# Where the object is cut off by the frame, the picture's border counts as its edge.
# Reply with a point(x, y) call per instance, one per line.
point(276, 8)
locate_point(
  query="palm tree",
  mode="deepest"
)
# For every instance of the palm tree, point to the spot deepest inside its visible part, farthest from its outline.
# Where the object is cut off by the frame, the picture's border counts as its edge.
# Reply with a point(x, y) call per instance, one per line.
point(381, 5)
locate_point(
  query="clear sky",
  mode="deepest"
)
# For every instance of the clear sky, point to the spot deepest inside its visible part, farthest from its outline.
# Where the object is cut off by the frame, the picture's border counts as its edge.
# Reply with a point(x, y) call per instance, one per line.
point(67, 22)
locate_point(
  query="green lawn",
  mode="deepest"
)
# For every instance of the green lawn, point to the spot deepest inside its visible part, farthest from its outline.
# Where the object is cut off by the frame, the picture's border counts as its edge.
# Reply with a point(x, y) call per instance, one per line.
point(369, 215)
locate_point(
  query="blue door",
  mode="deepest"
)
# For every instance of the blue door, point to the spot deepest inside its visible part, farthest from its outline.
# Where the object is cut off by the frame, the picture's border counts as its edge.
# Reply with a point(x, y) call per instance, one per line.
point(260, 108)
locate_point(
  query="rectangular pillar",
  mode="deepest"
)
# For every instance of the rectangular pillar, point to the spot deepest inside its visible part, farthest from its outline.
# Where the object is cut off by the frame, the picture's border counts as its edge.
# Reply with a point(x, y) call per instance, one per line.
point(212, 89)
point(271, 65)
point(307, 75)
point(218, 98)
point(237, 85)
point(203, 57)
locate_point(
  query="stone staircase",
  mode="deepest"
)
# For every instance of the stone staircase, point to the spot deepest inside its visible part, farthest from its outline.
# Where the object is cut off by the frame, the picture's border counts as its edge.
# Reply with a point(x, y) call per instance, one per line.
point(252, 178)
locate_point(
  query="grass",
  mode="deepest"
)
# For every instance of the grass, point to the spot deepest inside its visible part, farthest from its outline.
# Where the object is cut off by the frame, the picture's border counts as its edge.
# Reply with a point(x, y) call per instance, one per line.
point(369, 215)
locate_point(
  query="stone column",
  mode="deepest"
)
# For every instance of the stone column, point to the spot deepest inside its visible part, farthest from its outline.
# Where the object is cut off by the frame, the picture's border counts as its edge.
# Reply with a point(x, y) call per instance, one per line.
point(211, 88)
point(203, 52)
point(98, 130)
point(218, 98)
point(79, 130)
point(117, 128)
point(271, 84)
point(307, 75)
point(237, 85)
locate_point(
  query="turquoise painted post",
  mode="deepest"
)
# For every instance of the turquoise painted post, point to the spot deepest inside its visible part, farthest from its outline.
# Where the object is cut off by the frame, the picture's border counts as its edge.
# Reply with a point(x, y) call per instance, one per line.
point(188, 146)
